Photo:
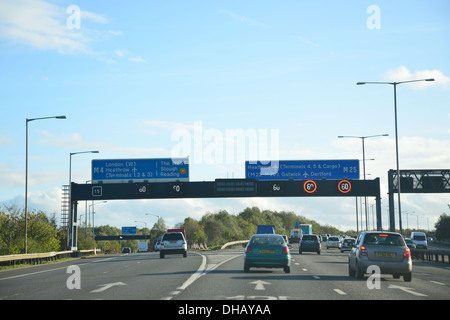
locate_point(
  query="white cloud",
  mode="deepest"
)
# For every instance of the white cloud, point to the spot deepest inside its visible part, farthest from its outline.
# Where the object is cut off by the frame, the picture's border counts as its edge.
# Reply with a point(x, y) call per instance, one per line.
point(137, 59)
point(242, 18)
point(402, 73)
point(76, 142)
point(306, 41)
point(43, 26)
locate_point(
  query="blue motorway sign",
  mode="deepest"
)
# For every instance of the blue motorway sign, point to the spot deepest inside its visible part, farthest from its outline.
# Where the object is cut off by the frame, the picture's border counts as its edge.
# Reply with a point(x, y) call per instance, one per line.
point(302, 169)
point(152, 170)
point(129, 230)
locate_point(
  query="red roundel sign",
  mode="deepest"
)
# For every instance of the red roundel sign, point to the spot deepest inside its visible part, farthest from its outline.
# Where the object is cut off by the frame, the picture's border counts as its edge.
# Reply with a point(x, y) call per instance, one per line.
point(310, 186)
point(344, 186)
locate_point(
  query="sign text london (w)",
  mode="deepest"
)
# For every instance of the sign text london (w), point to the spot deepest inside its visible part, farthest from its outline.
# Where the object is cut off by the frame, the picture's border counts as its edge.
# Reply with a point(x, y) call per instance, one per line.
point(302, 169)
point(151, 170)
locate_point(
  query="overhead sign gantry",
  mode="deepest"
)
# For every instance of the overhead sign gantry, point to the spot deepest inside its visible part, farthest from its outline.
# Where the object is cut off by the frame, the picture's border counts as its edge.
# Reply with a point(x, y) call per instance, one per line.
point(223, 188)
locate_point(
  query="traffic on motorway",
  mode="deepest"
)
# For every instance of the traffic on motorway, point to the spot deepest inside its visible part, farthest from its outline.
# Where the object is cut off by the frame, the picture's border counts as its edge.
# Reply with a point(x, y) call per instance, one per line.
point(373, 266)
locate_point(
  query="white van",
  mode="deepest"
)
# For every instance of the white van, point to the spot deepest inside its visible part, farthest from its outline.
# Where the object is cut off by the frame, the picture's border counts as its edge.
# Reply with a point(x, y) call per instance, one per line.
point(420, 240)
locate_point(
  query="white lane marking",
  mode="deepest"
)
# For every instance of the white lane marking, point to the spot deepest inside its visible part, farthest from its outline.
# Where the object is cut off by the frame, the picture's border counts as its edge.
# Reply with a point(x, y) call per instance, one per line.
point(49, 270)
point(197, 274)
point(408, 290)
point(259, 284)
point(339, 292)
point(107, 286)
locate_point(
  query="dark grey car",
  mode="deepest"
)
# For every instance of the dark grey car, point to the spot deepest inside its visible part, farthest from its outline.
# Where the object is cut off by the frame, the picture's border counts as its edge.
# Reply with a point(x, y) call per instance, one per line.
point(309, 243)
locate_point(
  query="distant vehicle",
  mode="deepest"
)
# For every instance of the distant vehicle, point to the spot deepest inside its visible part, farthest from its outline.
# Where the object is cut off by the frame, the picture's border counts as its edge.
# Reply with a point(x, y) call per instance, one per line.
point(387, 250)
point(265, 229)
point(309, 243)
point(334, 242)
point(295, 234)
point(173, 243)
point(126, 250)
point(285, 238)
point(267, 251)
point(306, 228)
point(324, 237)
point(420, 240)
point(157, 246)
point(347, 244)
point(410, 243)
point(142, 246)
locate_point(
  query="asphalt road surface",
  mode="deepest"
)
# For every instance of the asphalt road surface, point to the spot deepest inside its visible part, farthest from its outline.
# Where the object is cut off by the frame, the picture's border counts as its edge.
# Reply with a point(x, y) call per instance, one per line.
point(216, 275)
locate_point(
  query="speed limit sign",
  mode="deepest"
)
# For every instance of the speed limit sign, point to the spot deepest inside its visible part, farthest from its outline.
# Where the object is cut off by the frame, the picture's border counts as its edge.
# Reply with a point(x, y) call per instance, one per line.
point(344, 186)
point(310, 186)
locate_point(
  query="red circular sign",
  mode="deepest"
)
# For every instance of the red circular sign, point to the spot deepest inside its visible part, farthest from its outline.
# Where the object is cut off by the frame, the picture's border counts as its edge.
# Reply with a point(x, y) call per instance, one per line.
point(344, 186)
point(310, 186)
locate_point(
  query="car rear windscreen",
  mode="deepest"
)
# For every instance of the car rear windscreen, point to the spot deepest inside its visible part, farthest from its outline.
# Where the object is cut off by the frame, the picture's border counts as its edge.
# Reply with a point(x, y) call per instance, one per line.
point(383, 239)
point(173, 236)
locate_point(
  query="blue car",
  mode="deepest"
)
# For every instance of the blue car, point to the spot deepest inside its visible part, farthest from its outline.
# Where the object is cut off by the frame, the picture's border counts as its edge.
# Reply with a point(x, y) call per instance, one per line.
point(267, 251)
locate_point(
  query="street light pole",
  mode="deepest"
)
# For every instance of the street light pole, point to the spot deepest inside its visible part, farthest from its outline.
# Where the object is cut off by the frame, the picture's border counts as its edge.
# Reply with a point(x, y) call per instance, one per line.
point(26, 173)
point(363, 138)
point(396, 136)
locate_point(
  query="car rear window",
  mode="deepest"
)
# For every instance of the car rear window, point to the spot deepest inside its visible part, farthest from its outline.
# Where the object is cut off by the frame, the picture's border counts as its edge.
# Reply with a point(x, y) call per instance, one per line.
point(333, 239)
point(383, 239)
point(267, 240)
point(419, 238)
point(173, 236)
point(309, 237)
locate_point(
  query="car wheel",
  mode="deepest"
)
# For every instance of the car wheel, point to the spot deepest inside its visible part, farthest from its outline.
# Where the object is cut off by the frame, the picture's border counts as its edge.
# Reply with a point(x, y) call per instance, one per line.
point(184, 254)
point(246, 268)
point(318, 252)
point(299, 252)
point(287, 269)
point(407, 277)
point(351, 272)
point(161, 255)
point(359, 272)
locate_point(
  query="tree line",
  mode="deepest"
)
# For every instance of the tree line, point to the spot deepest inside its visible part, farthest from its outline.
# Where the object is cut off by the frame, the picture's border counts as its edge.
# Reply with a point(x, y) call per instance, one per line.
point(212, 229)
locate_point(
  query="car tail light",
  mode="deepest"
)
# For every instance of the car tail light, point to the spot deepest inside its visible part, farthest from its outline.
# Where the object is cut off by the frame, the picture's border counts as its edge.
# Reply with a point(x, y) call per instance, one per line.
point(362, 251)
point(248, 249)
point(407, 253)
point(286, 250)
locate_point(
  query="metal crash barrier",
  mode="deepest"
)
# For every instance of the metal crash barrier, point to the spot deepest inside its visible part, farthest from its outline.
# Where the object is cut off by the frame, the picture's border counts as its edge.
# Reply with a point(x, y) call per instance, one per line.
point(38, 258)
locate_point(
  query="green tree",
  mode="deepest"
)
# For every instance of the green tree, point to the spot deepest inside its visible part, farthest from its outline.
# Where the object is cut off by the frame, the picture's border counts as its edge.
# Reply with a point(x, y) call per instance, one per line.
point(12, 236)
point(443, 227)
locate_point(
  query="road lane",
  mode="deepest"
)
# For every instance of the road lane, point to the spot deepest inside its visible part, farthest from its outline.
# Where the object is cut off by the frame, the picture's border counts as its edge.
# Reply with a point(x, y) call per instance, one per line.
point(218, 275)
point(313, 277)
point(143, 276)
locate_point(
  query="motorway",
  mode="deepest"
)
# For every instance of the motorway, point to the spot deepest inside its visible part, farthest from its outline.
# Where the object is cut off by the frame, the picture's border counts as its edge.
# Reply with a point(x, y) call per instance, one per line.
point(215, 275)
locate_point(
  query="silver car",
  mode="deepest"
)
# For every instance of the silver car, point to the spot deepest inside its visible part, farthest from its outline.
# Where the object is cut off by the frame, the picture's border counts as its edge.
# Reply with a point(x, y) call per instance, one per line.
point(387, 250)
point(334, 242)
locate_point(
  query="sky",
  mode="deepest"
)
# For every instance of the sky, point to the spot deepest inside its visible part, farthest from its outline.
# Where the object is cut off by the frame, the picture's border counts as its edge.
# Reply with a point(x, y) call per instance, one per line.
point(152, 79)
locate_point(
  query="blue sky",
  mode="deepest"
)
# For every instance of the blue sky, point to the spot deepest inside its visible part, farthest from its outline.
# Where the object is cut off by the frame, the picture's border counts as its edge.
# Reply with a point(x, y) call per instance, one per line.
point(138, 79)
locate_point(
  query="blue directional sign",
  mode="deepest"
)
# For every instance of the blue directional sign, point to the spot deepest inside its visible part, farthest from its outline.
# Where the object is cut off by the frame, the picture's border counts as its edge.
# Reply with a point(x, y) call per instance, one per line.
point(129, 230)
point(302, 169)
point(152, 170)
